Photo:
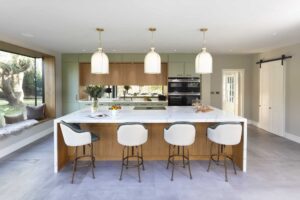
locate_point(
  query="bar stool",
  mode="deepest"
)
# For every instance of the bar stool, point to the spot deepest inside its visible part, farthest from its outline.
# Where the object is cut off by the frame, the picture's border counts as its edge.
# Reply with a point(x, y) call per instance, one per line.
point(132, 136)
point(179, 135)
point(223, 134)
point(75, 137)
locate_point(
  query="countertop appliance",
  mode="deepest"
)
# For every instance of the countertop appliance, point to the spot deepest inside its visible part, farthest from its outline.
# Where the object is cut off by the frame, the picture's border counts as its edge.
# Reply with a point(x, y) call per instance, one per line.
point(183, 90)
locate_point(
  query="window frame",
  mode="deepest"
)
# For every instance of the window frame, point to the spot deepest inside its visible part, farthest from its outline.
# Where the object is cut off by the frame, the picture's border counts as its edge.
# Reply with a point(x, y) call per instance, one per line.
point(35, 79)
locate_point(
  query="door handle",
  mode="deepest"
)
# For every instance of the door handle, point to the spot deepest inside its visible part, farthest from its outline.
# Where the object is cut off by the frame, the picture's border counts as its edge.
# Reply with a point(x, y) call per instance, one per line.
point(270, 108)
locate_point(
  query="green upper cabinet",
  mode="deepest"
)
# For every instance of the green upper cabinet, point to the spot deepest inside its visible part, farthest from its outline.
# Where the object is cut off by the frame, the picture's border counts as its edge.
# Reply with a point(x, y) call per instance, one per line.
point(181, 69)
point(189, 69)
point(176, 69)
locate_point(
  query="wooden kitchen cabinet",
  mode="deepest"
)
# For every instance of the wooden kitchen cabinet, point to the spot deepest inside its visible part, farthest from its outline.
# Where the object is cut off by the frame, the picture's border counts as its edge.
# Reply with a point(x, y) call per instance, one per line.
point(122, 74)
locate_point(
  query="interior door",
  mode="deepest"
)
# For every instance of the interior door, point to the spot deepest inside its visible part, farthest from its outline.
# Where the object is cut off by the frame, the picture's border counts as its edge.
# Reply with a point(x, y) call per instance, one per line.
point(231, 92)
point(271, 111)
point(264, 102)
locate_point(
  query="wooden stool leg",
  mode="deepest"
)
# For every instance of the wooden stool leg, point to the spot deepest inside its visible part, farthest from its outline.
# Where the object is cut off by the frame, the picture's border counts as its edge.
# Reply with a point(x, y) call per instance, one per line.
point(210, 156)
point(92, 160)
point(122, 163)
point(142, 157)
point(189, 165)
point(169, 157)
point(173, 164)
point(183, 161)
point(127, 157)
point(74, 166)
point(225, 166)
point(138, 161)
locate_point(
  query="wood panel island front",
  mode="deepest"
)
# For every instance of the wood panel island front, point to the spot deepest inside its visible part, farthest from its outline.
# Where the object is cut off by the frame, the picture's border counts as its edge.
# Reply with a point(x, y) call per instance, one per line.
point(107, 148)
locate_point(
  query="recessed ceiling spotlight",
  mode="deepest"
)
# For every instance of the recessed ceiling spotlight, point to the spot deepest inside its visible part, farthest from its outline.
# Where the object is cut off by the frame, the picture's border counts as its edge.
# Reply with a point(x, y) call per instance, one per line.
point(29, 35)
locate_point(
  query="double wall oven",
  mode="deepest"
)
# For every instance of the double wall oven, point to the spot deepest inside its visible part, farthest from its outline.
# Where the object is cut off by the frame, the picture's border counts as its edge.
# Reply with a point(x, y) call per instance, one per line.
point(183, 90)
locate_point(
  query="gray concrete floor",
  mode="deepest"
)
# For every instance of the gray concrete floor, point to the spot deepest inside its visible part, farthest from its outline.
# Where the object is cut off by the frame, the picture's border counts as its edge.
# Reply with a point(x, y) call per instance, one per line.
point(273, 173)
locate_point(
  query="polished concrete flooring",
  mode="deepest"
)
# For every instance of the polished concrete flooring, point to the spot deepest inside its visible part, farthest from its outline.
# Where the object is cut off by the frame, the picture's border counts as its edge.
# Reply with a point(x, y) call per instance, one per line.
point(273, 173)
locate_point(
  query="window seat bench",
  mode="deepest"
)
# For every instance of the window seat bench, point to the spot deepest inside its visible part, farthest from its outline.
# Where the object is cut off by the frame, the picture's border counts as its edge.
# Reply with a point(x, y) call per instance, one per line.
point(18, 135)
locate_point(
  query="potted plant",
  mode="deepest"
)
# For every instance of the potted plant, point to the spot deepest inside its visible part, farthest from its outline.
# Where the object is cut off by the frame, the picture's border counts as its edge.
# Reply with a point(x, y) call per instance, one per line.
point(126, 88)
point(95, 92)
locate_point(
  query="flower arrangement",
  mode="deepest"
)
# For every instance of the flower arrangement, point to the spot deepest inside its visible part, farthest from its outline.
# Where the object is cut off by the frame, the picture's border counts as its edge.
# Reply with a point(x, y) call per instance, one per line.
point(94, 91)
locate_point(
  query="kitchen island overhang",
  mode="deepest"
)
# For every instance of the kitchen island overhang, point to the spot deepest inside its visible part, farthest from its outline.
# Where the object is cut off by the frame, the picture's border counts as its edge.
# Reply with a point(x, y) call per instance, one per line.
point(155, 120)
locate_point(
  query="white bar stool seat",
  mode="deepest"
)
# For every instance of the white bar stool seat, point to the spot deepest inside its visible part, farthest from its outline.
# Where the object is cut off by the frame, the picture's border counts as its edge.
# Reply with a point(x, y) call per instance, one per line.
point(178, 136)
point(132, 136)
point(75, 137)
point(223, 134)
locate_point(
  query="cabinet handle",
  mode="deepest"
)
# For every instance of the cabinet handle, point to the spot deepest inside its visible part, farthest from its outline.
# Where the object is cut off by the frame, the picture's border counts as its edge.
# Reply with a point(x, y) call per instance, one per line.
point(270, 108)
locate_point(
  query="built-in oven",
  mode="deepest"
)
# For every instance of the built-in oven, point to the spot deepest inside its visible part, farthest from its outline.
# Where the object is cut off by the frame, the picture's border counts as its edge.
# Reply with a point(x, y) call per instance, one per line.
point(182, 84)
point(183, 90)
point(182, 99)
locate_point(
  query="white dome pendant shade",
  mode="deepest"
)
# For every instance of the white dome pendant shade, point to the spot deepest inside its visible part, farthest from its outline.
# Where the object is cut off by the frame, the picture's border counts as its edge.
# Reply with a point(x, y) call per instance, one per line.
point(99, 62)
point(203, 62)
point(152, 62)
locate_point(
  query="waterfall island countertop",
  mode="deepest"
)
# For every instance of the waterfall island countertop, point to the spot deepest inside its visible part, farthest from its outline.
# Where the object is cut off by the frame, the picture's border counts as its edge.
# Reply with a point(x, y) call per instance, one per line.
point(105, 124)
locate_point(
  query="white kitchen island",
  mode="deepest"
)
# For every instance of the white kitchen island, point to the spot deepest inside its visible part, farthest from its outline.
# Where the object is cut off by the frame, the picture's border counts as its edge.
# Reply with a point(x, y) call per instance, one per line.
point(155, 120)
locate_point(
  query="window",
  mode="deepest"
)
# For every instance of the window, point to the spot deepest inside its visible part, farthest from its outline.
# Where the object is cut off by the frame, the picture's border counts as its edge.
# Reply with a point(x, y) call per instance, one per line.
point(21, 82)
point(137, 90)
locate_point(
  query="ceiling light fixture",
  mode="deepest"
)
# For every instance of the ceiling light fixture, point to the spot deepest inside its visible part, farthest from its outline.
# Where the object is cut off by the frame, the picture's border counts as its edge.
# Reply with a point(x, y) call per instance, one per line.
point(100, 63)
point(203, 62)
point(152, 62)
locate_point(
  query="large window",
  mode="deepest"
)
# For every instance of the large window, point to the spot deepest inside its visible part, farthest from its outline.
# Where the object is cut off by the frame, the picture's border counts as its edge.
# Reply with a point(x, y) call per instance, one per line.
point(138, 90)
point(21, 82)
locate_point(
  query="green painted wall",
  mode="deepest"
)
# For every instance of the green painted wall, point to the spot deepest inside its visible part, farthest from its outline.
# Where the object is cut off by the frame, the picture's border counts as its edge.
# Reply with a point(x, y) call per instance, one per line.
point(70, 82)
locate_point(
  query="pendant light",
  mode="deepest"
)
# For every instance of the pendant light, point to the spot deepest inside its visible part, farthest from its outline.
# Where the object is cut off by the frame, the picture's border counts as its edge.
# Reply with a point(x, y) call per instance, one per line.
point(203, 60)
point(152, 62)
point(100, 63)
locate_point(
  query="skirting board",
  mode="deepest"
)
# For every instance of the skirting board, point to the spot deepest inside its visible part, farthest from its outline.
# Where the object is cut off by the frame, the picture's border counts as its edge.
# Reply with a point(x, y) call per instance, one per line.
point(292, 137)
point(288, 136)
point(16, 146)
point(254, 123)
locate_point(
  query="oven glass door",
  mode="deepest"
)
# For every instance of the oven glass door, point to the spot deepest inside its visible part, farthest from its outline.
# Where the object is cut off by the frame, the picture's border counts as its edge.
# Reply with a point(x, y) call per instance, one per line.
point(175, 87)
point(192, 87)
point(184, 87)
point(188, 99)
point(175, 100)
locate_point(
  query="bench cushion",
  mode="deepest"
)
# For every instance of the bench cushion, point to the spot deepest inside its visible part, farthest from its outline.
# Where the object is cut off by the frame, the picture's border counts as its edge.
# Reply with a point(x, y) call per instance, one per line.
point(14, 119)
point(10, 129)
point(36, 112)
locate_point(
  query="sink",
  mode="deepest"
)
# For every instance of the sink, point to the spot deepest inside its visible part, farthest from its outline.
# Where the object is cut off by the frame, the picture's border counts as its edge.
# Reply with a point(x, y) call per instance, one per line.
point(148, 108)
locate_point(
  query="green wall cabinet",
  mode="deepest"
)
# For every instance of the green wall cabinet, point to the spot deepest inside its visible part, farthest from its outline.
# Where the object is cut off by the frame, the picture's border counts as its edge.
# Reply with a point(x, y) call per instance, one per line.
point(182, 69)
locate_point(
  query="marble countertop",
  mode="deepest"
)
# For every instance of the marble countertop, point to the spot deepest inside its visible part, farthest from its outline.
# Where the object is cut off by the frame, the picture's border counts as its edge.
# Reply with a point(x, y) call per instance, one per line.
point(170, 115)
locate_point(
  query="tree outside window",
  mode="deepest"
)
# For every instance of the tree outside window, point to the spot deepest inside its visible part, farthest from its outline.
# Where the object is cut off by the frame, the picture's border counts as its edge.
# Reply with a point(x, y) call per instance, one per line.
point(21, 82)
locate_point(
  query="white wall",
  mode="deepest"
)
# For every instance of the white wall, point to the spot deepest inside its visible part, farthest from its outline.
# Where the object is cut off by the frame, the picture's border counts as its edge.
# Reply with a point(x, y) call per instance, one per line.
point(292, 86)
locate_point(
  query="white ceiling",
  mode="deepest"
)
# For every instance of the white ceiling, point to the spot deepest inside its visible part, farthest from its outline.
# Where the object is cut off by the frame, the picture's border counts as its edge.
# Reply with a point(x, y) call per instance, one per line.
point(235, 26)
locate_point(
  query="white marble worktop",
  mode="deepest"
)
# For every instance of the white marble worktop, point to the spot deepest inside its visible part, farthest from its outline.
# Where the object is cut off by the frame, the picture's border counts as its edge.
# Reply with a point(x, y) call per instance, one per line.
point(171, 114)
